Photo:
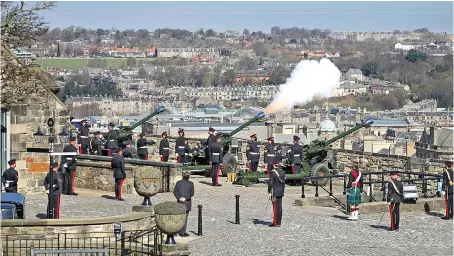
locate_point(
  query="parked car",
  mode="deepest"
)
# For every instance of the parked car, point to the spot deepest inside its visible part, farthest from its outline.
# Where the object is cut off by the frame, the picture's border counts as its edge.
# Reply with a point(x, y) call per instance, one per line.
point(12, 206)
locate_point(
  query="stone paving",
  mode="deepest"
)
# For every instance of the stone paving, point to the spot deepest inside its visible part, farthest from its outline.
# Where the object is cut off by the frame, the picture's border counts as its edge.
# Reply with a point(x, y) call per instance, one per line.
point(313, 230)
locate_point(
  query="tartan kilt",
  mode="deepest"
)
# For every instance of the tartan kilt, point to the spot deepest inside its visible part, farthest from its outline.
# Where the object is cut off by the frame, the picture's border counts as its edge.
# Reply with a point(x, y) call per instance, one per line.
point(354, 196)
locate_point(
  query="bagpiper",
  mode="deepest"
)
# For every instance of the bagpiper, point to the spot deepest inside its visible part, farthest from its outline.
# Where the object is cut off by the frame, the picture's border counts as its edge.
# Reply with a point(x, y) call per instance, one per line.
point(354, 186)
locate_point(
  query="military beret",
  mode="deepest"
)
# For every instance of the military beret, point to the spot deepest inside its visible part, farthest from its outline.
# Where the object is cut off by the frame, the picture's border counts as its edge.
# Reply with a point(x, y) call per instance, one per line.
point(97, 133)
point(180, 130)
point(118, 150)
point(127, 142)
point(54, 165)
point(270, 139)
point(276, 162)
point(395, 173)
point(296, 138)
point(12, 161)
point(83, 121)
point(72, 139)
point(254, 135)
point(164, 133)
point(111, 124)
point(186, 139)
point(211, 129)
point(448, 162)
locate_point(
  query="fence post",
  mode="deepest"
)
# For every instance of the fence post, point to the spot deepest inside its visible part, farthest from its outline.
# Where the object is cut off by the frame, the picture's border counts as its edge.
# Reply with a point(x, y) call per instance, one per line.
point(316, 188)
point(302, 189)
point(424, 187)
point(370, 187)
point(237, 210)
point(345, 185)
point(199, 229)
point(330, 186)
point(383, 187)
point(122, 243)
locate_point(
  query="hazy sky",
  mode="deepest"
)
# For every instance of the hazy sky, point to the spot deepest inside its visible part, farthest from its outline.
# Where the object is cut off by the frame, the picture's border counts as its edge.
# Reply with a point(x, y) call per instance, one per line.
point(221, 16)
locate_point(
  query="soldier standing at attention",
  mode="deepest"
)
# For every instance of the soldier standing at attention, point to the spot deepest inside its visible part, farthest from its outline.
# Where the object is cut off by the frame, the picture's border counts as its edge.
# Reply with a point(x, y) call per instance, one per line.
point(70, 165)
point(96, 144)
point(56, 185)
point(10, 177)
point(187, 150)
point(142, 145)
point(447, 189)
point(395, 196)
point(253, 154)
point(82, 137)
point(183, 192)
point(211, 139)
point(354, 186)
point(128, 151)
point(179, 146)
point(296, 152)
point(119, 172)
point(216, 157)
point(270, 155)
point(164, 148)
point(111, 139)
point(276, 187)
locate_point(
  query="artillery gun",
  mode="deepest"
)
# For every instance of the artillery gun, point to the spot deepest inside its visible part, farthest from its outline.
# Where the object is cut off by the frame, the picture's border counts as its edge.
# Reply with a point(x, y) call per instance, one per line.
point(316, 160)
point(125, 133)
point(229, 145)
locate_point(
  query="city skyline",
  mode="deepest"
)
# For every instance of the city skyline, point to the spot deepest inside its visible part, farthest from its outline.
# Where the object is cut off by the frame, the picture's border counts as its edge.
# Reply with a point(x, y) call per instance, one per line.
point(255, 16)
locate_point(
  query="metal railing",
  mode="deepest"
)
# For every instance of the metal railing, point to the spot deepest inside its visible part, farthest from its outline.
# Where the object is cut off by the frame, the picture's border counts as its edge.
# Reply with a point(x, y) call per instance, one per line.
point(126, 243)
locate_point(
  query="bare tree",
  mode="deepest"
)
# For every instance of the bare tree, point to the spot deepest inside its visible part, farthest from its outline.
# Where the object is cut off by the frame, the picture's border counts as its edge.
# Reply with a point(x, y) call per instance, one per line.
point(21, 25)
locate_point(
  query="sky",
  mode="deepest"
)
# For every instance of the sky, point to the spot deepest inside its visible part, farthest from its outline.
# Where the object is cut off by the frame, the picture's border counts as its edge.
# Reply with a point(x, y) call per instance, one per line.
point(255, 16)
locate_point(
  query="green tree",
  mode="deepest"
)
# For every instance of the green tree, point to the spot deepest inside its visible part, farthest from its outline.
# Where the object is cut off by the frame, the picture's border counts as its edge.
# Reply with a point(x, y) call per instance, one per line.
point(229, 77)
point(246, 63)
point(415, 55)
point(370, 68)
point(143, 73)
point(21, 24)
point(260, 49)
point(210, 33)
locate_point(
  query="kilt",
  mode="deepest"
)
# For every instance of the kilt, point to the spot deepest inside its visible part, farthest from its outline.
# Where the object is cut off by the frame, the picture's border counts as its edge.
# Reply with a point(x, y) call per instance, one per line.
point(354, 196)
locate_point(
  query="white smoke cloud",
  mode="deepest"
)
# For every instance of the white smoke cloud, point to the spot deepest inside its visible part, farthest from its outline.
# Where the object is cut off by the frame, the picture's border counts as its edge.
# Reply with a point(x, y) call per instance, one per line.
point(309, 78)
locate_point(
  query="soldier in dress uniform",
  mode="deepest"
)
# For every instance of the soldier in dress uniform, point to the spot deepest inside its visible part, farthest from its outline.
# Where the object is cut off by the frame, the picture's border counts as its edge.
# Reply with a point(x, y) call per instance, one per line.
point(128, 152)
point(142, 145)
point(269, 155)
point(216, 157)
point(119, 172)
point(10, 177)
point(96, 144)
point(395, 197)
point(82, 137)
point(183, 192)
point(69, 164)
point(111, 139)
point(187, 151)
point(56, 185)
point(211, 139)
point(164, 149)
point(296, 153)
point(447, 189)
point(253, 153)
point(354, 187)
point(276, 187)
point(179, 146)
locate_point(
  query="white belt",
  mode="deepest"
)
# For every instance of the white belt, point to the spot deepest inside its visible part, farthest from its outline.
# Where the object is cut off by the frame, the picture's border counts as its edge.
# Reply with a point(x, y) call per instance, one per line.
point(111, 140)
point(144, 147)
point(180, 146)
point(215, 154)
point(186, 154)
point(69, 158)
point(253, 153)
point(8, 181)
point(296, 155)
point(165, 148)
point(83, 136)
point(270, 155)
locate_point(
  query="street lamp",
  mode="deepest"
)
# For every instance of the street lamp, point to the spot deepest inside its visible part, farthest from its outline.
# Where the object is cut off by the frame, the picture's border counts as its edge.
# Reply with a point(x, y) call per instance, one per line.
point(64, 136)
point(38, 136)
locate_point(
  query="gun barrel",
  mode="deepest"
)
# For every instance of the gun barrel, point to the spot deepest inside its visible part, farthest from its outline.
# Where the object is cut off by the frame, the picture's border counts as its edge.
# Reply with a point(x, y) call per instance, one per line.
point(366, 123)
point(241, 127)
point(143, 120)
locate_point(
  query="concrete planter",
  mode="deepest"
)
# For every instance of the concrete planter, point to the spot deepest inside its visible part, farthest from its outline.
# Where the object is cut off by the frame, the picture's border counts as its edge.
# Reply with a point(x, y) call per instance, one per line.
point(147, 184)
point(170, 218)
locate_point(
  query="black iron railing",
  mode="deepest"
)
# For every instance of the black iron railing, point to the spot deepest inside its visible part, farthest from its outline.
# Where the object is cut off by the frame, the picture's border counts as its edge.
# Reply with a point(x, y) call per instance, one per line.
point(126, 243)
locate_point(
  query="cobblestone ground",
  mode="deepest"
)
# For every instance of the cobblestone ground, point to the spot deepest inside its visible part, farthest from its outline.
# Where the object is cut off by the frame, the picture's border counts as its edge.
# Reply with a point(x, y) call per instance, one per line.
point(314, 230)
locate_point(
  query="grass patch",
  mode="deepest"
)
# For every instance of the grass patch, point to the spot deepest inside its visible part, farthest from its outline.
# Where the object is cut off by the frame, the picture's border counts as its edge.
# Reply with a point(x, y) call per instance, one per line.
point(77, 63)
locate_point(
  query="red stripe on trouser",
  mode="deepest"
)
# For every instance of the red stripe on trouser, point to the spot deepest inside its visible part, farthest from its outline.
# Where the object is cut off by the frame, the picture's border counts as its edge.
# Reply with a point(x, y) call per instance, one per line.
point(57, 208)
point(108, 152)
point(162, 158)
point(392, 216)
point(446, 205)
point(250, 166)
point(120, 188)
point(72, 181)
point(80, 149)
point(274, 214)
point(293, 170)
point(217, 174)
point(266, 168)
point(179, 159)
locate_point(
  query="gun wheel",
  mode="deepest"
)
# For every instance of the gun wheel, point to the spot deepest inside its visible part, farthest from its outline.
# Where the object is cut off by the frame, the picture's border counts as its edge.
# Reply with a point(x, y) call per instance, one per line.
point(229, 164)
point(319, 170)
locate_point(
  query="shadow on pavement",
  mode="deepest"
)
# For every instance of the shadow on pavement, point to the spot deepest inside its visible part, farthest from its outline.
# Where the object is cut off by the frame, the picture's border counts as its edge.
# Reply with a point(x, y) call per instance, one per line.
point(205, 182)
point(261, 222)
point(379, 227)
point(41, 216)
point(340, 217)
point(108, 197)
point(435, 214)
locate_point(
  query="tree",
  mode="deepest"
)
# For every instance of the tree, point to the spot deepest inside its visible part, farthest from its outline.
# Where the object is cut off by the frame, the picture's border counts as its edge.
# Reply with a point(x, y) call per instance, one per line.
point(68, 35)
point(260, 49)
point(415, 55)
point(246, 32)
point(100, 32)
point(278, 75)
point(229, 77)
point(131, 62)
point(143, 73)
point(388, 102)
point(401, 96)
point(370, 68)
point(200, 32)
point(275, 31)
point(210, 33)
point(246, 63)
point(422, 30)
point(22, 26)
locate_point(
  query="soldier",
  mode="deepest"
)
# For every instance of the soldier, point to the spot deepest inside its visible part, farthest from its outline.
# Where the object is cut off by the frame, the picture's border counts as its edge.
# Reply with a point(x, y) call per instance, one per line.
point(187, 150)
point(128, 152)
point(111, 139)
point(70, 164)
point(119, 172)
point(395, 196)
point(179, 146)
point(10, 177)
point(164, 148)
point(354, 186)
point(183, 192)
point(96, 144)
point(276, 187)
point(253, 154)
point(142, 145)
point(56, 186)
point(270, 155)
point(447, 189)
point(296, 153)
point(82, 137)
point(215, 157)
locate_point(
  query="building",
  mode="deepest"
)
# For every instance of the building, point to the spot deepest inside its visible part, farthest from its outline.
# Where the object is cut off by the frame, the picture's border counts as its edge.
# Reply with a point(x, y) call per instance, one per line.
point(187, 52)
point(405, 47)
point(25, 57)
point(436, 144)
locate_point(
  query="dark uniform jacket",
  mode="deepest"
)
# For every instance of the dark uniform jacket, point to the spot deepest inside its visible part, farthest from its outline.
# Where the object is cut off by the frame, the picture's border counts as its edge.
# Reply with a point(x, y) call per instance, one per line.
point(82, 135)
point(111, 140)
point(276, 183)
point(10, 176)
point(179, 146)
point(96, 146)
point(296, 153)
point(70, 161)
point(129, 153)
point(187, 150)
point(164, 147)
point(279, 156)
point(118, 167)
point(184, 188)
point(56, 183)
point(447, 181)
point(211, 139)
point(142, 146)
point(270, 154)
point(215, 153)
point(394, 195)
point(253, 153)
